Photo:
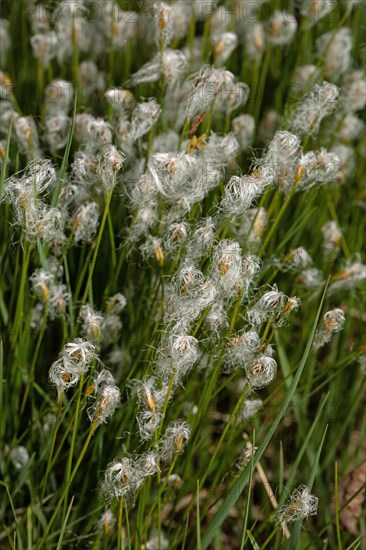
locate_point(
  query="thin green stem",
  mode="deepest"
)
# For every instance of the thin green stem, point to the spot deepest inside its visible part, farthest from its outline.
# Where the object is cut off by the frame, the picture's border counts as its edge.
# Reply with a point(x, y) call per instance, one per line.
point(66, 488)
point(97, 246)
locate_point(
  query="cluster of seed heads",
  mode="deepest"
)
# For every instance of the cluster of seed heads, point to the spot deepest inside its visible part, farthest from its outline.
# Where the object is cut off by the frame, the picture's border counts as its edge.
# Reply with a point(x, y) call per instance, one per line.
point(150, 154)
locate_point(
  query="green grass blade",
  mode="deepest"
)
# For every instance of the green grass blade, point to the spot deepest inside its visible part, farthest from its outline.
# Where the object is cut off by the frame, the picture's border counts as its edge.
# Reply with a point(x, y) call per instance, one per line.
point(198, 520)
point(63, 529)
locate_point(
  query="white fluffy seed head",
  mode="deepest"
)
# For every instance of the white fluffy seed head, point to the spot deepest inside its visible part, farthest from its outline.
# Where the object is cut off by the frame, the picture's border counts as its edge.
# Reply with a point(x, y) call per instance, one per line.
point(299, 506)
point(164, 24)
point(353, 91)
point(261, 372)
point(19, 457)
point(317, 168)
point(249, 409)
point(331, 237)
point(27, 136)
point(122, 478)
point(333, 322)
point(313, 108)
point(281, 28)
point(92, 323)
point(144, 117)
point(244, 129)
point(107, 522)
point(315, 10)
point(268, 306)
point(116, 303)
point(296, 260)
point(174, 439)
point(239, 195)
point(201, 239)
point(44, 46)
point(85, 222)
point(105, 404)
point(58, 97)
point(224, 45)
point(122, 101)
point(57, 131)
point(310, 278)
point(335, 48)
point(241, 350)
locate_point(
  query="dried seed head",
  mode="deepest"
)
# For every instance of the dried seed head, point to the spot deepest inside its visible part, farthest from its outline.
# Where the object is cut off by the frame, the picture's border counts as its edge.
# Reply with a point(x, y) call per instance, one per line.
point(353, 91)
point(92, 323)
point(262, 372)
point(224, 45)
point(19, 457)
point(105, 405)
point(144, 117)
point(335, 48)
point(121, 479)
point(244, 129)
point(174, 439)
point(313, 108)
point(269, 306)
point(242, 349)
point(333, 322)
point(107, 522)
point(331, 237)
point(348, 277)
point(85, 222)
point(310, 278)
point(296, 260)
point(44, 46)
point(122, 101)
point(58, 97)
point(299, 506)
point(249, 409)
point(281, 28)
point(116, 303)
point(315, 10)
